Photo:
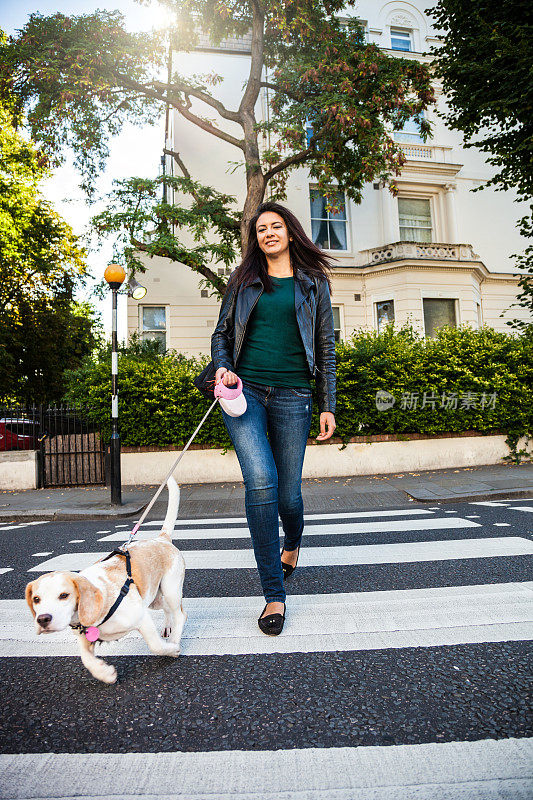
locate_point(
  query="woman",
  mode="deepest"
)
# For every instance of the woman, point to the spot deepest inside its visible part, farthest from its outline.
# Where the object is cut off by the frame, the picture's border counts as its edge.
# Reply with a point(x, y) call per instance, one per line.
point(275, 331)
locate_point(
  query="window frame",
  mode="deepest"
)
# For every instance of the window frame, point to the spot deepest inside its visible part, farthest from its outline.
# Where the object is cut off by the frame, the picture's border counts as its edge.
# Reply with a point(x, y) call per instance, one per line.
point(432, 229)
point(340, 329)
point(408, 32)
point(376, 301)
point(348, 248)
point(417, 138)
point(142, 331)
point(428, 295)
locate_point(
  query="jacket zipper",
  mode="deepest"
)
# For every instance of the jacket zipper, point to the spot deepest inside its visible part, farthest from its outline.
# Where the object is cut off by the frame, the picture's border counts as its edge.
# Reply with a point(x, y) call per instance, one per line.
point(237, 352)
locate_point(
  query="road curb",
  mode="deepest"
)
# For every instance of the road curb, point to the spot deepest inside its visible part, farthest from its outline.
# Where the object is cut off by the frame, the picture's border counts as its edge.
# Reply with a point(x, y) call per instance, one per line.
point(128, 510)
point(467, 498)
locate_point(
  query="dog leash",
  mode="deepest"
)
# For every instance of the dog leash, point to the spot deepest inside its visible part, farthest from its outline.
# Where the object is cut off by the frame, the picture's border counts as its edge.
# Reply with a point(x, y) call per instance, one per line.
point(226, 396)
point(169, 474)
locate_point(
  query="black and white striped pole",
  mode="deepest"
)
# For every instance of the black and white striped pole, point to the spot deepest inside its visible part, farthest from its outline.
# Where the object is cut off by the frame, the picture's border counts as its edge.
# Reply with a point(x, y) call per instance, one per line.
point(115, 276)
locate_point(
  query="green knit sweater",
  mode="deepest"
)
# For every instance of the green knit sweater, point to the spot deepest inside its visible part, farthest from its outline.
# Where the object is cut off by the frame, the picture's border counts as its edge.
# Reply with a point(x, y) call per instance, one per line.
point(273, 353)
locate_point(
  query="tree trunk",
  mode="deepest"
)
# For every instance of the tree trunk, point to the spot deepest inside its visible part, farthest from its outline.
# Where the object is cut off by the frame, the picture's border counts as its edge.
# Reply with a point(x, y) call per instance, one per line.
point(255, 181)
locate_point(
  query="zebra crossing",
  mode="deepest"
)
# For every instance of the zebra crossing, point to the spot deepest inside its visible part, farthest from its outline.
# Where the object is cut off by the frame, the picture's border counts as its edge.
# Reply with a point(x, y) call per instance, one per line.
point(407, 684)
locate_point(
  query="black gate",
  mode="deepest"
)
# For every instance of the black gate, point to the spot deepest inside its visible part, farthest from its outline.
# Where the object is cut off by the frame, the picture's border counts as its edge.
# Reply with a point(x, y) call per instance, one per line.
point(70, 449)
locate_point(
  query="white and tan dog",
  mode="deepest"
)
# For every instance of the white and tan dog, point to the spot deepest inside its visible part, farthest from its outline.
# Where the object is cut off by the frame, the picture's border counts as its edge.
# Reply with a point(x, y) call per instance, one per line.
point(60, 599)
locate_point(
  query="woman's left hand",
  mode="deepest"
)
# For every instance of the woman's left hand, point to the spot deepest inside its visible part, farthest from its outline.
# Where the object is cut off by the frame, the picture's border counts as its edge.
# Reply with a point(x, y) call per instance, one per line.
point(327, 420)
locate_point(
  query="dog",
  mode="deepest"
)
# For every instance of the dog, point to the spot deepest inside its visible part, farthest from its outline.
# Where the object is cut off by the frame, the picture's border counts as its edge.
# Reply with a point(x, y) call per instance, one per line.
point(82, 600)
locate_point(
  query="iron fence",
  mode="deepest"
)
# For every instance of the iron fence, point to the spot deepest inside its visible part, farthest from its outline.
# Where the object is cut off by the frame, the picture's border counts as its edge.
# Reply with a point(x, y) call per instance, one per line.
point(70, 448)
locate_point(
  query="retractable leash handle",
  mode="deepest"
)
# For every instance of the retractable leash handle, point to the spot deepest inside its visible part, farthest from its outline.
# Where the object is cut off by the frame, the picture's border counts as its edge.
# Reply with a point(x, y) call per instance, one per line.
point(233, 402)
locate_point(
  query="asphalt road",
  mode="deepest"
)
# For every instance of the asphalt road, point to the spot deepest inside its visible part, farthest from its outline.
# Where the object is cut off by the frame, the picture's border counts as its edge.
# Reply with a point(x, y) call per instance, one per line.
point(403, 670)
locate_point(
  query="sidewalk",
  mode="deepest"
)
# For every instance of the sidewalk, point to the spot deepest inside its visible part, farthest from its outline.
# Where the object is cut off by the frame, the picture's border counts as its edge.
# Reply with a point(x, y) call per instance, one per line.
point(320, 494)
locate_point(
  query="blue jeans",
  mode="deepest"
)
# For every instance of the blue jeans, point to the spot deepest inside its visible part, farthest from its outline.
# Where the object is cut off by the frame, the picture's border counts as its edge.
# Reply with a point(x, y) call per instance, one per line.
point(270, 439)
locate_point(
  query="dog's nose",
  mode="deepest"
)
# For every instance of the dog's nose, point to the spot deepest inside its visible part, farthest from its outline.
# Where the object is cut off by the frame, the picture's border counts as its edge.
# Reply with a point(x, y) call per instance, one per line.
point(44, 620)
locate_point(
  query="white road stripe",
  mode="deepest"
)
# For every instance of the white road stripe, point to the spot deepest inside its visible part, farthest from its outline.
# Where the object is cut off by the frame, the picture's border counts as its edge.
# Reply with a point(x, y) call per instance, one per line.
point(398, 512)
point(489, 769)
point(3, 570)
point(387, 526)
point(522, 508)
point(329, 556)
point(487, 503)
point(22, 525)
point(517, 499)
point(315, 623)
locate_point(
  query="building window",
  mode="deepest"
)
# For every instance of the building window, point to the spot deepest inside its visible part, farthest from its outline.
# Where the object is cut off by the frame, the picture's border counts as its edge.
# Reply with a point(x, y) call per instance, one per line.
point(336, 322)
point(410, 132)
point(479, 315)
point(328, 230)
point(437, 313)
point(384, 314)
point(415, 219)
point(401, 39)
point(154, 324)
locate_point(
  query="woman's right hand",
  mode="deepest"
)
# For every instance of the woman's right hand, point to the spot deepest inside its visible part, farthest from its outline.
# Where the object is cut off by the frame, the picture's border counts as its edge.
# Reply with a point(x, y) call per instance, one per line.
point(228, 378)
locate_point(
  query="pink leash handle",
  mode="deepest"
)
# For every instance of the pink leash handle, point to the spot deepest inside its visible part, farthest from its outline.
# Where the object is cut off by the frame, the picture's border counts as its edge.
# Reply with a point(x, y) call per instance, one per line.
point(228, 392)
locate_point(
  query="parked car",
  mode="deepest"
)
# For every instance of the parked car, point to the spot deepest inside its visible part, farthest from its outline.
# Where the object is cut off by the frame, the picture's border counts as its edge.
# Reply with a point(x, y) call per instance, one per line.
point(18, 433)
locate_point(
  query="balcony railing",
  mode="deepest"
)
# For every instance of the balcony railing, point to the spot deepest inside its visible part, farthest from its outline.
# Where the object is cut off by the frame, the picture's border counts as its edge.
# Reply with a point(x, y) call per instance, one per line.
point(426, 152)
point(430, 251)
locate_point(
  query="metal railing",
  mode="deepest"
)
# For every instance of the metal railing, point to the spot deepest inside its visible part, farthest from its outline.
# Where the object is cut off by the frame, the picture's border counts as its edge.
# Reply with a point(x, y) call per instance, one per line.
point(70, 448)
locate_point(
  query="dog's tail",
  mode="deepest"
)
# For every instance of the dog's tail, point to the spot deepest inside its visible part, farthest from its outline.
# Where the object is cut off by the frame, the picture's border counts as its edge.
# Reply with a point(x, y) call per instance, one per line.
point(172, 512)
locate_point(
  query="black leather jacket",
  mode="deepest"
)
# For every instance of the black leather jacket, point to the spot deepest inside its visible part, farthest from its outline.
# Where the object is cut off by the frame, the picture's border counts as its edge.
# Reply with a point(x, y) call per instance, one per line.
point(315, 321)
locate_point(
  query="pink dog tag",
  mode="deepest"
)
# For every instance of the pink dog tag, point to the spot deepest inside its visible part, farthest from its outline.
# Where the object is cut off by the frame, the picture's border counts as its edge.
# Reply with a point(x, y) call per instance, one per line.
point(92, 634)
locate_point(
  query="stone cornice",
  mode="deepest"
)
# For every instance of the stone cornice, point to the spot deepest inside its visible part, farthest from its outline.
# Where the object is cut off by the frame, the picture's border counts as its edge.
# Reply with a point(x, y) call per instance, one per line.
point(426, 166)
point(425, 265)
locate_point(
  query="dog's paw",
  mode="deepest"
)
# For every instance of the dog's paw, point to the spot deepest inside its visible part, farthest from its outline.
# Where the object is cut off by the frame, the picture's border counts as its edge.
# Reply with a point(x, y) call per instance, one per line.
point(172, 650)
point(105, 673)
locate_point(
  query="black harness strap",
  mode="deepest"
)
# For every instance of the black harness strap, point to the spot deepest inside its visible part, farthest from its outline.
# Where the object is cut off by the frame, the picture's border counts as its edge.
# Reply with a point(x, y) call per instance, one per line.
point(122, 594)
point(127, 583)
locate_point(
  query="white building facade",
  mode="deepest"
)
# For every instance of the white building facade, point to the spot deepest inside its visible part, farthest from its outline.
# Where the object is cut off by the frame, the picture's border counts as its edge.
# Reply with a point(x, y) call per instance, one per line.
point(435, 254)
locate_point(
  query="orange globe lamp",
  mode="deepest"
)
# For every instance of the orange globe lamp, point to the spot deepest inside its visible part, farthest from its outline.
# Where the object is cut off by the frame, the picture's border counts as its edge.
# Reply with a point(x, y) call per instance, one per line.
point(115, 276)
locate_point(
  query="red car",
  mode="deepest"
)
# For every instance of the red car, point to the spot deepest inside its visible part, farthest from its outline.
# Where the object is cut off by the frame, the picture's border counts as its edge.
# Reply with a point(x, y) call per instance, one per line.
point(18, 434)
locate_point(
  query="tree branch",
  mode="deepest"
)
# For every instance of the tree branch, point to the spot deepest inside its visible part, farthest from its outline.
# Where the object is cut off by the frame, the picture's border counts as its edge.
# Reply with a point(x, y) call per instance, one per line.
point(183, 110)
point(281, 90)
point(176, 156)
point(206, 126)
point(208, 273)
point(297, 158)
point(206, 98)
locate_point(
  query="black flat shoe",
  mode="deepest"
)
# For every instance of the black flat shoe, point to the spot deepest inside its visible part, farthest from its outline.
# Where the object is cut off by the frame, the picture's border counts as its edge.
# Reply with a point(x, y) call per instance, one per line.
point(272, 624)
point(288, 569)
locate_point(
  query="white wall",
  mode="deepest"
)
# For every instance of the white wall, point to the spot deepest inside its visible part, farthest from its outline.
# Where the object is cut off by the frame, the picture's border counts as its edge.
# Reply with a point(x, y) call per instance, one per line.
point(485, 219)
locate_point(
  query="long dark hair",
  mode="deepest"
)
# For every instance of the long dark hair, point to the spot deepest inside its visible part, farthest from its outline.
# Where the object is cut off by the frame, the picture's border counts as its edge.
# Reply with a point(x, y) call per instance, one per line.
point(304, 253)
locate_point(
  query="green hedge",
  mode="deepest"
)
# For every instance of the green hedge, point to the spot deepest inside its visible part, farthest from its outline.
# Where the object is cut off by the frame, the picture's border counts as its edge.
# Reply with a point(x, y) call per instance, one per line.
point(159, 405)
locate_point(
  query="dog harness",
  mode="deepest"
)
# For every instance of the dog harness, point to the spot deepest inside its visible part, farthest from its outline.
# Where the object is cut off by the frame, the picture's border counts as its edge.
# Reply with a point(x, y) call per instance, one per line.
point(91, 632)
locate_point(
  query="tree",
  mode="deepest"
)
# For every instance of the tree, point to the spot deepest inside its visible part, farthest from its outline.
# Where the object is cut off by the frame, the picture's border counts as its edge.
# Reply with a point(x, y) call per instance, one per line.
point(82, 77)
point(484, 62)
point(41, 331)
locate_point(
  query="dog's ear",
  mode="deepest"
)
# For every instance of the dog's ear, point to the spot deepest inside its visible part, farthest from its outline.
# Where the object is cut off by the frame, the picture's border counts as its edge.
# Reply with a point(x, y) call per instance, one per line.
point(90, 600)
point(29, 596)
